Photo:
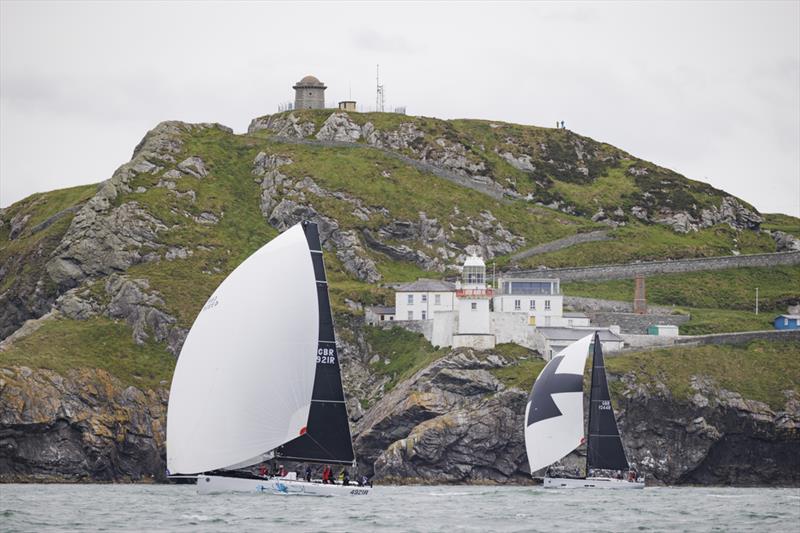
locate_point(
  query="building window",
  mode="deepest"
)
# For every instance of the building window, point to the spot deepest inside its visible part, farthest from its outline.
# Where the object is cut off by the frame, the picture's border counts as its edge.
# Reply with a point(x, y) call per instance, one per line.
point(533, 305)
point(785, 321)
point(517, 305)
point(474, 306)
point(411, 315)
point(424, 315)
point(424, 298)
point(547, 305)
point(391, 317)
point(437, 299)
point(410, 299)
point(383, 318)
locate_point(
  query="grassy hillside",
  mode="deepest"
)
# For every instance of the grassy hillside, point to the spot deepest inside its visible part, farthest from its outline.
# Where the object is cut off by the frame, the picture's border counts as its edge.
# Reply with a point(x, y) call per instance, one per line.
point(567, 171)
point(719, 289)
point(61, 345)
point(641, 242)
point(761, 370)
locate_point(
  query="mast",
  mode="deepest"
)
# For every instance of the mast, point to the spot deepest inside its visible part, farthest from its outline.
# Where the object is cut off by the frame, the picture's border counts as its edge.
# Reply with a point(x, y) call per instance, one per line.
point(604, 446)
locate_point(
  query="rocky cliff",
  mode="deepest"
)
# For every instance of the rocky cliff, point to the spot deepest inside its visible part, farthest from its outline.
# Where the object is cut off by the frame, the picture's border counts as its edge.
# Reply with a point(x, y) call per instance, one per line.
point(99, 284)
point(84, 425)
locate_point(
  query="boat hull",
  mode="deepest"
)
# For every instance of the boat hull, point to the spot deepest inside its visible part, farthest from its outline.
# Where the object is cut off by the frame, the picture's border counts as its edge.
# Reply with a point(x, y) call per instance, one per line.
point(276, 485)
point(591, 483)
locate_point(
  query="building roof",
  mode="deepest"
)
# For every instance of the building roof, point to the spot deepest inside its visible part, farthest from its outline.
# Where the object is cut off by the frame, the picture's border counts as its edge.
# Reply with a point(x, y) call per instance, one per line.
point(382, 310)
point(573, 334)
point(310, 81)
point(474, 260)
point(426, 285)
point(792, 317)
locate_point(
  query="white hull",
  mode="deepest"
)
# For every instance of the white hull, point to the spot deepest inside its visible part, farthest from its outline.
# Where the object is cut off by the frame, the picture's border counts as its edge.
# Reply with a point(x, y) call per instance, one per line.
point(591, 483)
point(276, 485)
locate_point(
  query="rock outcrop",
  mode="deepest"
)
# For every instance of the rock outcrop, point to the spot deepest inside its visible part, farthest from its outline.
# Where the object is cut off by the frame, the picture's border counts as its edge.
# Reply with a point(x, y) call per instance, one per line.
point(452, 422)
point(716, 437)
point(84, 425)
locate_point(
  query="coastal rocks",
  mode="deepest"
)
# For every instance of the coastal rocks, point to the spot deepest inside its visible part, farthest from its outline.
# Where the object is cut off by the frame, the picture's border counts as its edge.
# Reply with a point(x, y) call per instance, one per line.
point(717, 436)
point(484, 445)
point(459, 381)
point(83, 425)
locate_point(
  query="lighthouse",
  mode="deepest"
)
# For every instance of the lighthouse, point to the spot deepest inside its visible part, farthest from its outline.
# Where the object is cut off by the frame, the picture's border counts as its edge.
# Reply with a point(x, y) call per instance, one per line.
point(473, 297)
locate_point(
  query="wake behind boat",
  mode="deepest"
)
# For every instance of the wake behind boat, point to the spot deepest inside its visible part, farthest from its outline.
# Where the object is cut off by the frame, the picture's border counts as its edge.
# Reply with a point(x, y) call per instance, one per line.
point(258, 377)
point(554, 422)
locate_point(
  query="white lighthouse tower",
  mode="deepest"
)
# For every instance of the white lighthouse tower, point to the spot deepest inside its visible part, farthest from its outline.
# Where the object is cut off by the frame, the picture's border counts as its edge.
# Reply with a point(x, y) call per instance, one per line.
point(473, 297)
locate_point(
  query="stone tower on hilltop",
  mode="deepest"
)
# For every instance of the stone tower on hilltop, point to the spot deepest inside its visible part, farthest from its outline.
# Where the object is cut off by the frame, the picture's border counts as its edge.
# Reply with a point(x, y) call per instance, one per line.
point(309, 93)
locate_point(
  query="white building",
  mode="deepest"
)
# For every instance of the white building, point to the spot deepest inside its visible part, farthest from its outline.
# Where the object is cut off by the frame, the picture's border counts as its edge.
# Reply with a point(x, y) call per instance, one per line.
point(379, 313)
point(419, 299)
point(469, 313)
point(550, 341)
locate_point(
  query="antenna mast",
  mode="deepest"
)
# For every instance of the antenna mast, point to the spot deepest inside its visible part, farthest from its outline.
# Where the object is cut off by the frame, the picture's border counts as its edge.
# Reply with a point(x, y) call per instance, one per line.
point(379, 91)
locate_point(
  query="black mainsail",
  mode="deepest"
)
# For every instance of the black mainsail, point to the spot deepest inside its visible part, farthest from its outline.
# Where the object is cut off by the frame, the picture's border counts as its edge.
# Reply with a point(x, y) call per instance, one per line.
point(604, 448)
point(327, 436)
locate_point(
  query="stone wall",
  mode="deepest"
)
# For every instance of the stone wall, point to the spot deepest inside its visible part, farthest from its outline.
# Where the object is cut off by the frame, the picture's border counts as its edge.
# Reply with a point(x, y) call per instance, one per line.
point(651, 268)
point(559, 244)
point(634, 323)
point(639, 342)
point(512, 327)
point(417, 326)
point(581, 303)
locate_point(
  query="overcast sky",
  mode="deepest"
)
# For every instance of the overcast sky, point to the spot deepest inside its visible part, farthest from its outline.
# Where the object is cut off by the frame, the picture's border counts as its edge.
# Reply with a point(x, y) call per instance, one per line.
point(711, 90)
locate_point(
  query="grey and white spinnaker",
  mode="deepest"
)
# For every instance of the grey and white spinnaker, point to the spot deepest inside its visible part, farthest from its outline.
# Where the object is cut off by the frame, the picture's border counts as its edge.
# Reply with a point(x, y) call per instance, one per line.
point(554, 414)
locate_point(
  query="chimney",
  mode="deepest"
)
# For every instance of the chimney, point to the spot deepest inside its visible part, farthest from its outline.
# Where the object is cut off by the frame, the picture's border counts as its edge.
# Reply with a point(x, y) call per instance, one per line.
point(639, 300)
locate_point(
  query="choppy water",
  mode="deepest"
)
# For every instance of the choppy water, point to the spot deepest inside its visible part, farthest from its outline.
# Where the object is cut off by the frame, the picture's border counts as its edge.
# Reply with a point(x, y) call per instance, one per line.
point(179, 508)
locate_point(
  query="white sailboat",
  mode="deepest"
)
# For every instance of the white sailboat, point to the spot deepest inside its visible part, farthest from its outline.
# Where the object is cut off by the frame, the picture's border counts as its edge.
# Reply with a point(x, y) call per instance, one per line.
point(258, 377)
point(554, 421)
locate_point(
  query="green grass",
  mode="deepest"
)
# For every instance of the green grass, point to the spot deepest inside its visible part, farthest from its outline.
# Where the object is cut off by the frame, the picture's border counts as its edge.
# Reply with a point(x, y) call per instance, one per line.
point(405, 351)
point(607, 191)
point(761, 370)
point(781, 222)
point(721, 289)
point(707, 321)
point(61, 345)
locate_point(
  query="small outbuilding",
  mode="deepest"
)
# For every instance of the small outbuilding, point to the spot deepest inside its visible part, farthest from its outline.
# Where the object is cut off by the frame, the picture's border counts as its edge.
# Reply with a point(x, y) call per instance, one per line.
point(787, 322)
point(663, 330)
point(347, 105)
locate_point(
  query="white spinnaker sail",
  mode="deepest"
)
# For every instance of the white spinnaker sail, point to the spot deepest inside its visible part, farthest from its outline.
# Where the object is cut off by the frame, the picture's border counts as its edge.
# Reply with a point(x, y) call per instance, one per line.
point(555, 428)
point(244, 379)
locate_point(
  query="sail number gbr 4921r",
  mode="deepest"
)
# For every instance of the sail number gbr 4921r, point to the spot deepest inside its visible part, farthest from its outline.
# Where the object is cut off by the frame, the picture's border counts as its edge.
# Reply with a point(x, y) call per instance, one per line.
point(326, 356)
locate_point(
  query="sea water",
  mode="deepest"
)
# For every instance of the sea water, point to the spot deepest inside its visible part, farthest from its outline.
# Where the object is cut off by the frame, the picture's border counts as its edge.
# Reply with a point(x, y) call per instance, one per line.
point(419, 508)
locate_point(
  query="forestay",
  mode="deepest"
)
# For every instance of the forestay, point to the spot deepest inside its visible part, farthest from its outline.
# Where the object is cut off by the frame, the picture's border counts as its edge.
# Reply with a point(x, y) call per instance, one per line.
point(243, 382)
point(554, 414)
